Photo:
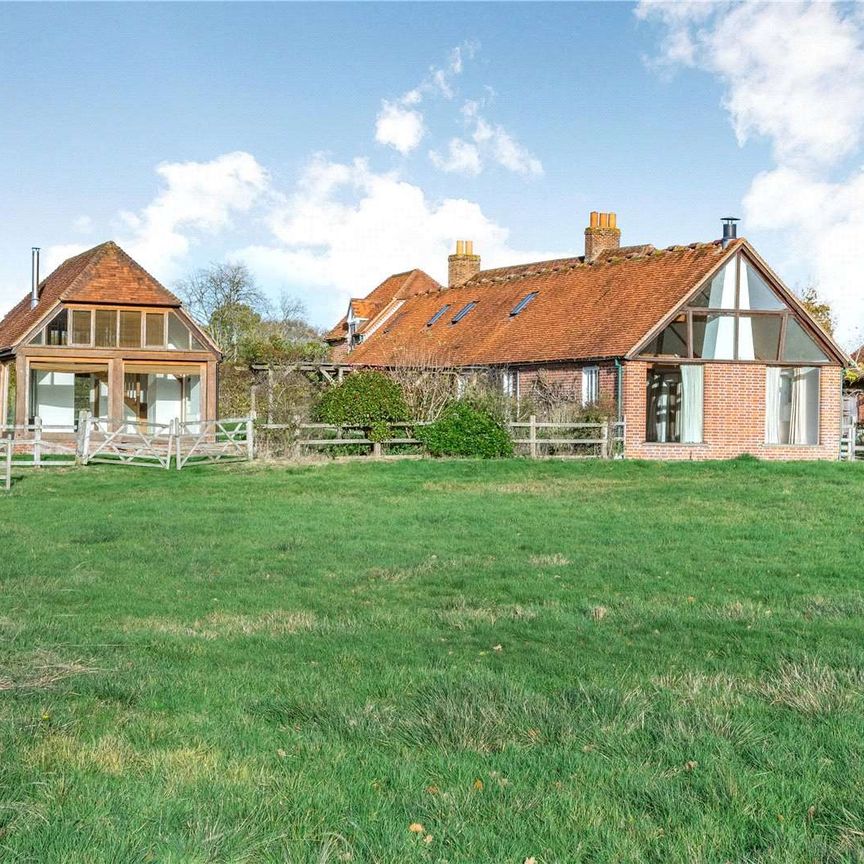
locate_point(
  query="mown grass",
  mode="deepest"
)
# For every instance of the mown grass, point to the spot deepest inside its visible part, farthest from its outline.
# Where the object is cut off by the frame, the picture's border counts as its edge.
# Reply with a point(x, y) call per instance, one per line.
point(597, 662)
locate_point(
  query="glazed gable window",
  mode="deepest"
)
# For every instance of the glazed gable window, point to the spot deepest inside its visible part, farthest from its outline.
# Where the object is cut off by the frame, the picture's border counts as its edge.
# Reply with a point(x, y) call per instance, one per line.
point(737, 315)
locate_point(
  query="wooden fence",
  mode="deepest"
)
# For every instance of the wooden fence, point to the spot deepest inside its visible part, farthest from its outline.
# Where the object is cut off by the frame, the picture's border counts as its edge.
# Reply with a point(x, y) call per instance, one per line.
point(532, 438)
point(852, 442)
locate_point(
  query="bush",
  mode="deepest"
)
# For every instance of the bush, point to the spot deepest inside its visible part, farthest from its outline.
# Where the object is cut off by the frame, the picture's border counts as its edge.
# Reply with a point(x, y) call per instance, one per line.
point(463, 430)
point(370, 400)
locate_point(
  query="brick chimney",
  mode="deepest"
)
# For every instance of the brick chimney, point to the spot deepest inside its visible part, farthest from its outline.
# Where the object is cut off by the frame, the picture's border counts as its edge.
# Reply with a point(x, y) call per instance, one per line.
point(462, 266)
point(601, 235)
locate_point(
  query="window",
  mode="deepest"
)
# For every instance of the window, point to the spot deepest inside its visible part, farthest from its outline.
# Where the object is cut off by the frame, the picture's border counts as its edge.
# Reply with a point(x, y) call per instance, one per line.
point(463, 312)
point(437, 315)
point(81, 321)
point(590, 384)
point(57, 331)
point(154, 330)
point(522, 303)
point(736, 316)
point(130, 328)
point(674, 409)
point(106, 328)
point(510, 383)
point(792, 405)
point(178, 335)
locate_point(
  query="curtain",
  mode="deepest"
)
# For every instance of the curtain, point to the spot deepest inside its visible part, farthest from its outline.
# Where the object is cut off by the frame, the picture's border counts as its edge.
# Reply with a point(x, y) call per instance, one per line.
point(772, 405)
point(803, 419)
point(692, 387)
point(663, 407)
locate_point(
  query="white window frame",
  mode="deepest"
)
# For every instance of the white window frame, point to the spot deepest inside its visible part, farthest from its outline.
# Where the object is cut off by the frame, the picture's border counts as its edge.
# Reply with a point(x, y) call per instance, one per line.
point(589, 373)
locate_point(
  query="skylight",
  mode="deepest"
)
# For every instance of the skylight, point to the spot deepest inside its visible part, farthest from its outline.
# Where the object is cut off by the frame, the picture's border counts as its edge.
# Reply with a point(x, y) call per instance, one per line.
point(463, 312)
point(522, 303)
point(437, 315)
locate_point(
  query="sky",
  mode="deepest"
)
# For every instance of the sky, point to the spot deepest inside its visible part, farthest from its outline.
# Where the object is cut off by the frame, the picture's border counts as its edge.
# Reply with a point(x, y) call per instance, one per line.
point(330, 145)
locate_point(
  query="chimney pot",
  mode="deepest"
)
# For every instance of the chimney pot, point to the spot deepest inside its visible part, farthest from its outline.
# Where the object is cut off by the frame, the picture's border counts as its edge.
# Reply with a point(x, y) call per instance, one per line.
point(730, 229)
point(462, 266)
point(601, 235)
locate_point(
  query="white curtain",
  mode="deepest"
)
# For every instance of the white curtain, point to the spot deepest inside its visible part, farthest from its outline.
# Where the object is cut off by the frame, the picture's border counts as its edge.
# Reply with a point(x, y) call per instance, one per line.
point(692, 387)
point(663, 407)
point(772, 405)
point(804, 414)
point(719, 341)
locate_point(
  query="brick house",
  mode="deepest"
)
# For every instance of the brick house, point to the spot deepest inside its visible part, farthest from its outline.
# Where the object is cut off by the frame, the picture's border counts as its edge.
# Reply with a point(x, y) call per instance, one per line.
point(101, 334)
point(703, 351)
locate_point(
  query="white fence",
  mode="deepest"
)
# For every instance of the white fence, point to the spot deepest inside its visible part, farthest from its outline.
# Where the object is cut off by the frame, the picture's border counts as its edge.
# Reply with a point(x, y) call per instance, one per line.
point(148, 445)
point(852, 442)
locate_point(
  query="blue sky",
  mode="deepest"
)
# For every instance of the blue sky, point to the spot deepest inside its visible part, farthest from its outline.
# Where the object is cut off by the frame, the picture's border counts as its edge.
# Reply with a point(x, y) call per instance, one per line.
point(329, 145)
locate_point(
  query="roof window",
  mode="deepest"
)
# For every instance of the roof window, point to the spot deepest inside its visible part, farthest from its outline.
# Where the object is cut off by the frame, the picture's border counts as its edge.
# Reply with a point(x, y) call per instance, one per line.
point(523, 303)
point(463, 312)
point(438, 314)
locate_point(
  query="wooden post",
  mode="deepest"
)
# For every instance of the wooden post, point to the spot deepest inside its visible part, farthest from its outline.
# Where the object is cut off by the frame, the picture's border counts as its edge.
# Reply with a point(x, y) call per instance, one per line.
point(376, 450)
point(37, 441)
point(178, 446)
point(270, 394)
point(83, 423)
point(532, 436)
point(250, 439)
point(604, 441)
point(8, 461)
point(253, 400)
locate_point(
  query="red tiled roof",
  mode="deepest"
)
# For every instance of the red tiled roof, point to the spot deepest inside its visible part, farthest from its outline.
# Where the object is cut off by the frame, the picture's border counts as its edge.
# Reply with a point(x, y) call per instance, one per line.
point(104, 274)
point(399, 286)
point(581, 311)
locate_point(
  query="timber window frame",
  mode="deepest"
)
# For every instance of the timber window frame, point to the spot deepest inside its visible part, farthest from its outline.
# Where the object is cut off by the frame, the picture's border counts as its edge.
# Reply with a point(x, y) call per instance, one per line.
point(694, 319)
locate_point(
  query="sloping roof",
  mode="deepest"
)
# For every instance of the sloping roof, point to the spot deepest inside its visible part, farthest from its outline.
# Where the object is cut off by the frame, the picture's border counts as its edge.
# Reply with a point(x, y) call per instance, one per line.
point(581, 311)
point(399, 286)
point(104, 274)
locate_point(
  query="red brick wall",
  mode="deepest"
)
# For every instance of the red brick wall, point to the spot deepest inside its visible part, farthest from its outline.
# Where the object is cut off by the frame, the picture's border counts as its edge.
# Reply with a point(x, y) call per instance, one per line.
point(734, 416)
point(569, 377)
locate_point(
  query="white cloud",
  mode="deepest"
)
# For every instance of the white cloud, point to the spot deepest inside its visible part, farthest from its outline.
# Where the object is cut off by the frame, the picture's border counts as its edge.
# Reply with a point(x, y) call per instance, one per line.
point(347, 227)
point(462, 158)
point(794, 75)
point(82, 224)
point(197, 197)
point(399, 127)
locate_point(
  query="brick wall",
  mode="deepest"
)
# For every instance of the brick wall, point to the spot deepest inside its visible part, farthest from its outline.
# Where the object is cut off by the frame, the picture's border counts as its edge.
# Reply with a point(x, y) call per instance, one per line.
point(734, 416)
point(569, 378)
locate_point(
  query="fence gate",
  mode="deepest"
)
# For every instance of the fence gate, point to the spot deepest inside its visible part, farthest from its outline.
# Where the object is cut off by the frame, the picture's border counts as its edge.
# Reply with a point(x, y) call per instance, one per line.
point(149, 445)
point(207, 441)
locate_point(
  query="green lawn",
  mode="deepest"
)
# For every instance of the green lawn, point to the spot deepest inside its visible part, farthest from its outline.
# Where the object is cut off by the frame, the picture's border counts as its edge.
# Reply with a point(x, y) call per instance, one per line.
point(564, 662)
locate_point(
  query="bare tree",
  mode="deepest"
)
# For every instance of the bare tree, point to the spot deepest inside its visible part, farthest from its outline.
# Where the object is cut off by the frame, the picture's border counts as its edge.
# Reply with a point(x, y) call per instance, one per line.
point(428, 382)
point(820, 311)
point(226, 299)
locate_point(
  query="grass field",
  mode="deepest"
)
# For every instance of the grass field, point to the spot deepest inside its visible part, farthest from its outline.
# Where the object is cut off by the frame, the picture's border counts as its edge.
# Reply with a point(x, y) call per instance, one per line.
point(604, 662)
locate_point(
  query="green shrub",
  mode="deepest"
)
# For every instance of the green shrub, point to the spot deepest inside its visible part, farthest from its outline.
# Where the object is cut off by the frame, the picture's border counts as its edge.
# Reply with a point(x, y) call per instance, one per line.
point(463, 430)
point(370, 400)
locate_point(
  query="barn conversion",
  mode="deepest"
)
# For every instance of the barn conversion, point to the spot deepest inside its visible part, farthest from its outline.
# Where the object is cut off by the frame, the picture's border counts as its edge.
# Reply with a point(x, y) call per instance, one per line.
point(702, 350)
point(100, 334)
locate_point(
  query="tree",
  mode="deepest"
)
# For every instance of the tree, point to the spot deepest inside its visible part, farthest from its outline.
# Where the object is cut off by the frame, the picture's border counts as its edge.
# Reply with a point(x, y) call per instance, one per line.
point(820, 310)
point(227, 300)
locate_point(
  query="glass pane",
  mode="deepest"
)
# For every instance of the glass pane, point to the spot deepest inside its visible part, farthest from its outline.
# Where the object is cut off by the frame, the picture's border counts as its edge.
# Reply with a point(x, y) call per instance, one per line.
point(39, 338)
point(192, 398)
point(155, 324)
point(720, 292)
point(198, 345)
point(166, 398)
point(799, 347)
point(669, 342)
point(53, 399)
point(134, 396)
point(664, 405)
point(130, 329)
point(714, 337)
point(91, 393)
point(81, 319)
point(57, 331)
point(178, 335)
point(106, 328)
point(754, 292)
point(792, 405)
point(759, 337)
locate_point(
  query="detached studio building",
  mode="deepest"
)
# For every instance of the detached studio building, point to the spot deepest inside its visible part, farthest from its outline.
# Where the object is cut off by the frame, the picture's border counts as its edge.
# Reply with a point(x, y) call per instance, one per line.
point(701, 348)
point(101, 334)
